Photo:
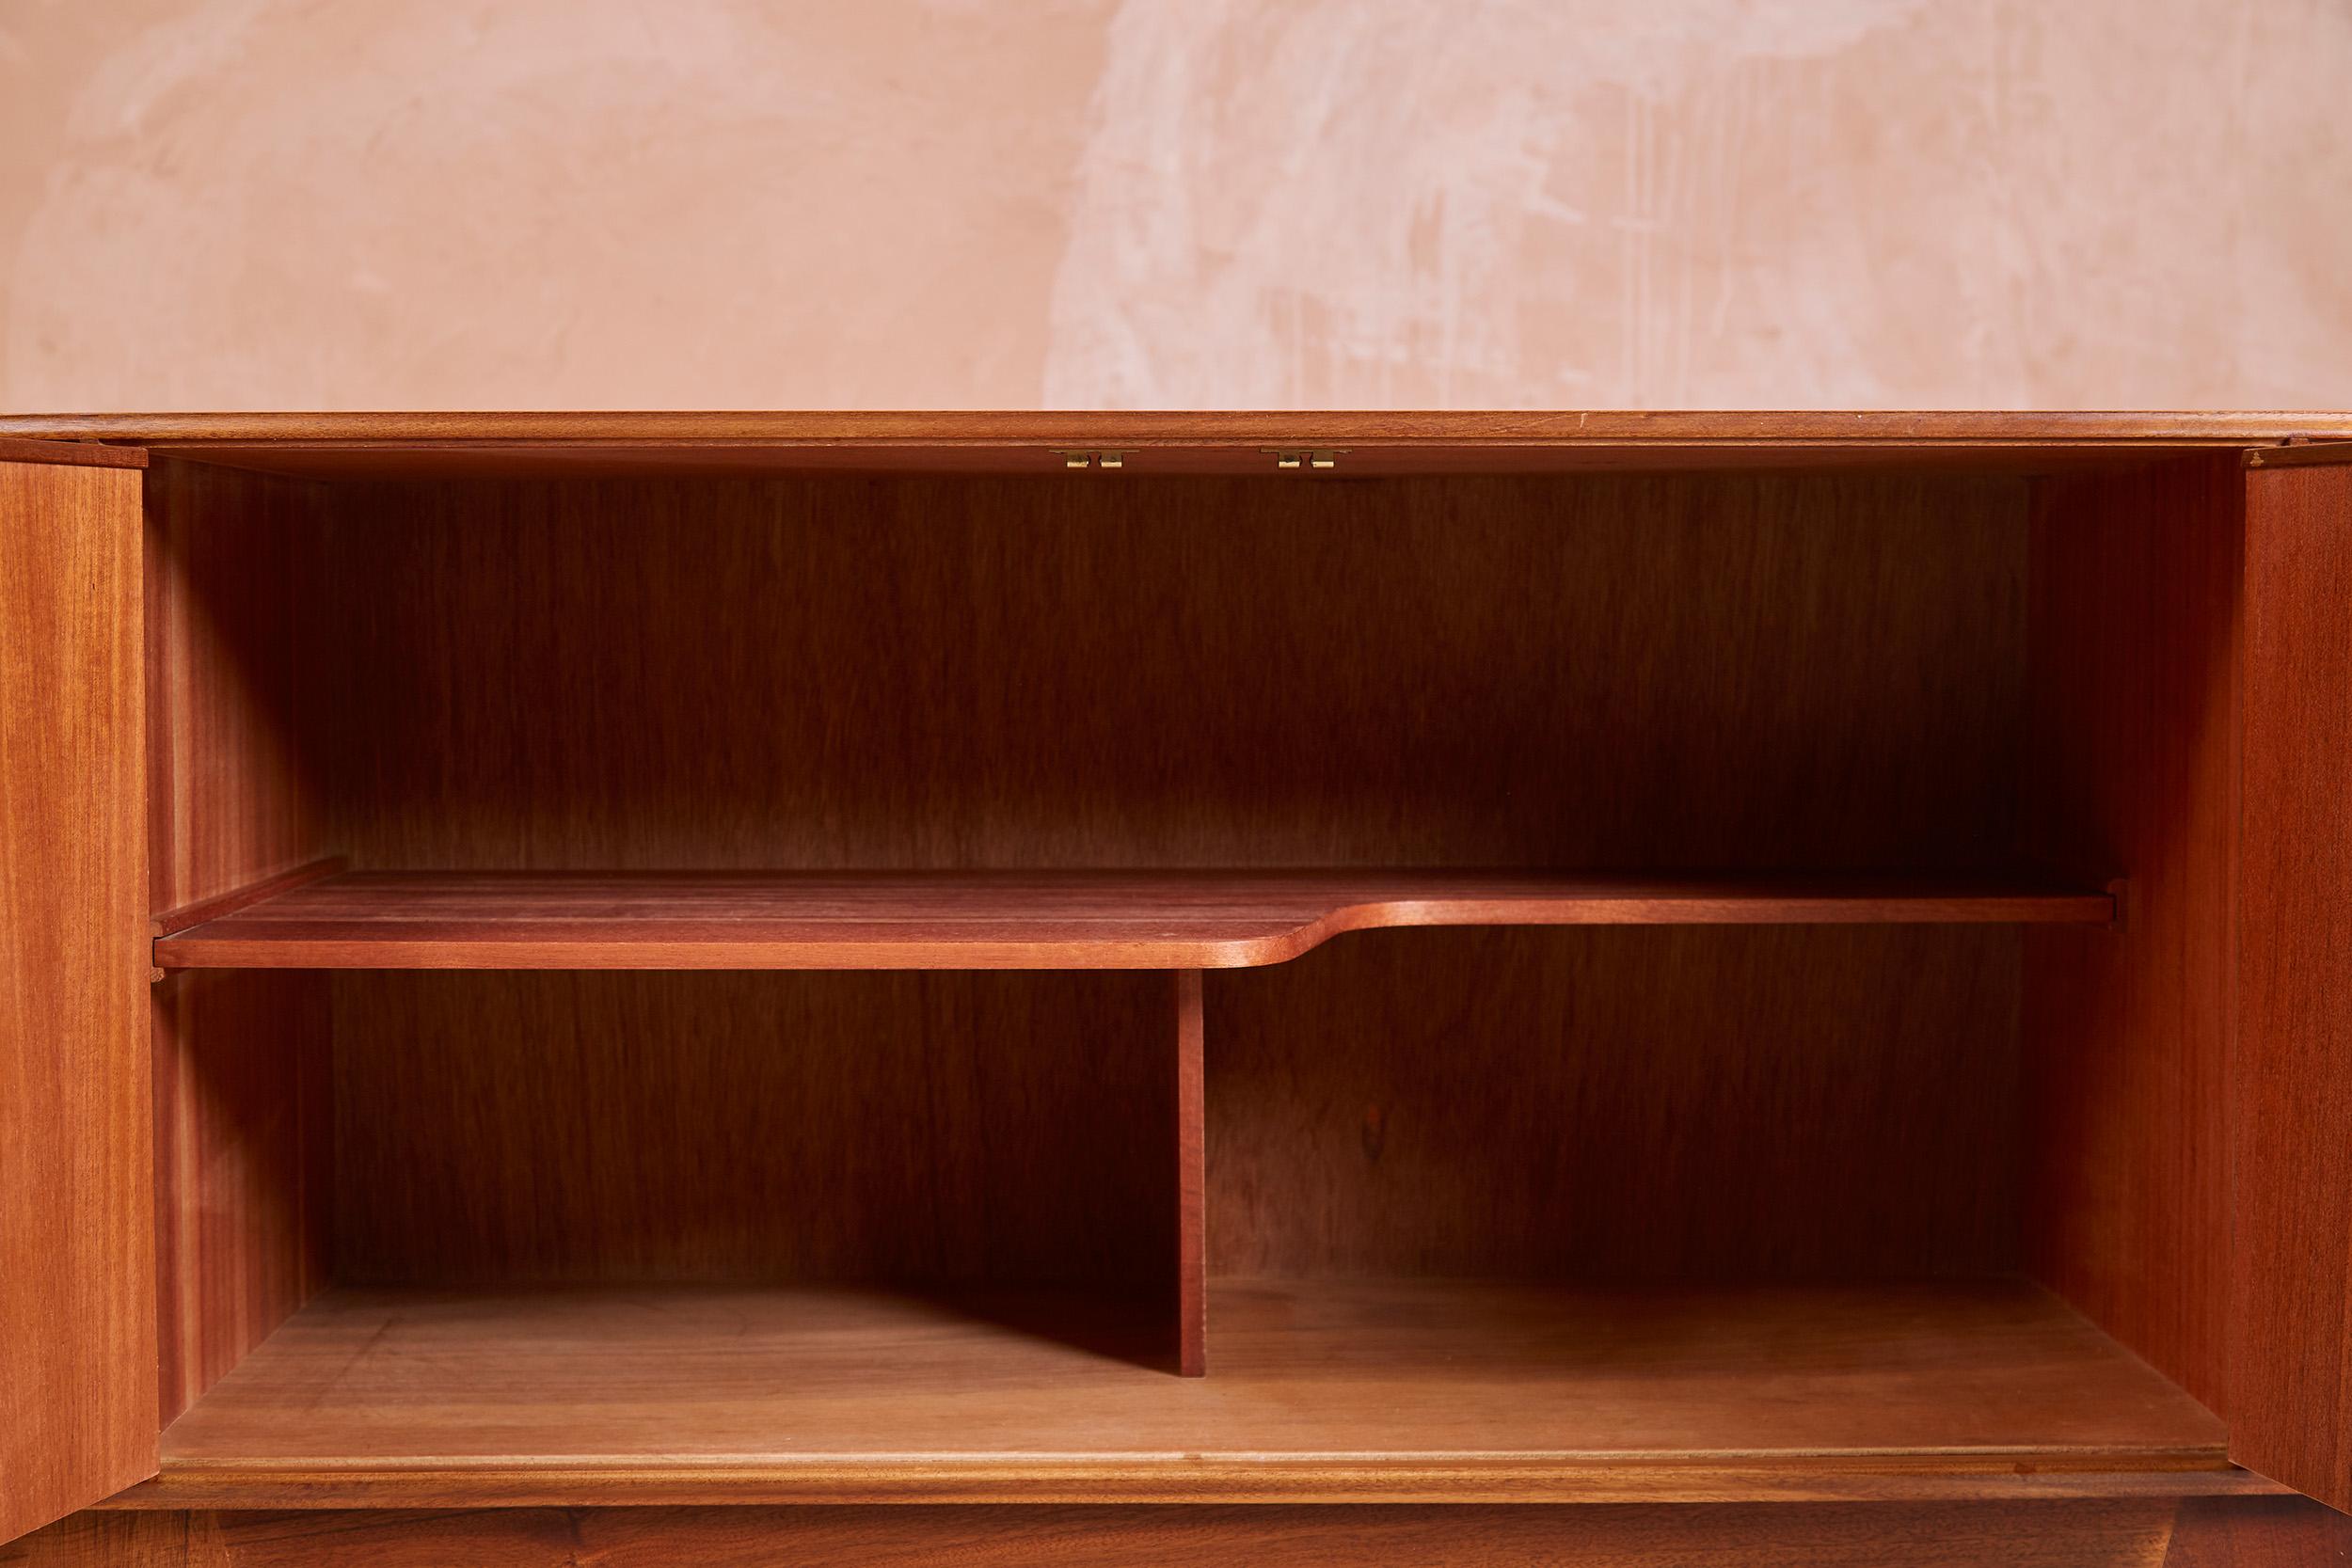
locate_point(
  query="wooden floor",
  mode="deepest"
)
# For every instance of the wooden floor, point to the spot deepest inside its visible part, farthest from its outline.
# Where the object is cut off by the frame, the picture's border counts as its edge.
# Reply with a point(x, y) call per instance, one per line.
point(1009, 920)
point(1318, 1392)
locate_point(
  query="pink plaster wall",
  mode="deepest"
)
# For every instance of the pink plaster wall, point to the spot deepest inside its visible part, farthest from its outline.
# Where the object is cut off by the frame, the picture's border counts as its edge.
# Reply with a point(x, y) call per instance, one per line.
point(1164, 203)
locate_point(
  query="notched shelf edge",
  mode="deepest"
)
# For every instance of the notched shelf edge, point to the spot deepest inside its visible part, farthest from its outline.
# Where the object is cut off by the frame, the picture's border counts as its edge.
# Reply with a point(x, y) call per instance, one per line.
point(1006, 919)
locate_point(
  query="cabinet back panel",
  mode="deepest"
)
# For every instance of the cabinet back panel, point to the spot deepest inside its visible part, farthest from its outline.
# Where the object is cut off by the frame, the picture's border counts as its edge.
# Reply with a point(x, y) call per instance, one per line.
point(1619, 1104)
point(724, 1127)
point(1099, 669)
point(1736, 1103)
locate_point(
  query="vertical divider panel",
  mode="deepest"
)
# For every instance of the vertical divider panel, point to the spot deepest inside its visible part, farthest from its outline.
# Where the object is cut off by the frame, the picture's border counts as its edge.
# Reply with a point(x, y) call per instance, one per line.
point(1192, 1281)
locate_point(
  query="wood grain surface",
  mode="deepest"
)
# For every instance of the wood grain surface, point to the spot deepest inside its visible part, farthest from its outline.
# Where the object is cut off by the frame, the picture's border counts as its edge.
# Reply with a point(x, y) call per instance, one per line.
point(233, 571)
point(1471, 671)
point(1192, 1260)
point(204, 911)
point(2131, 768)
point(1271, 427)
point(2258, 1532)
point(1406, 1390)
point(77, 454)
point(2291, 1312)
point(1009, 920)
point(1620, 1105)
point(691, 462)
point(1695, 673)
point(233, 567)
point(244, 1186)
point(77, 1258)
point(1376, 443)
point(1003, 1128)
point(1583, 1103)
point(602, 676)
point(2197, 1533)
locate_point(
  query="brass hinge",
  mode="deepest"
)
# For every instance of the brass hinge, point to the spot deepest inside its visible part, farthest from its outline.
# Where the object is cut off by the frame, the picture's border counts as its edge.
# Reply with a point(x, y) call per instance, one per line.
point(1093, 459)
point(1323, 459)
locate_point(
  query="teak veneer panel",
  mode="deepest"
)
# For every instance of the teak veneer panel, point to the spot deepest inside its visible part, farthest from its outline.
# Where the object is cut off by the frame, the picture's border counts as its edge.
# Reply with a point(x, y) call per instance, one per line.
point(1009, 920)
point(2131, 766)
point(233, 576)
point(549, 1126)
point(1323, 1391)
point(2291, 1305)
point(1237, 442)
point(243, 1193)
point(965, 427)
point(1666, 1104)
point(1582, 1103)
point(88, 454)
point(2138, 1532)
point(232, 583)
point(1676, 672)
point(77, 1258)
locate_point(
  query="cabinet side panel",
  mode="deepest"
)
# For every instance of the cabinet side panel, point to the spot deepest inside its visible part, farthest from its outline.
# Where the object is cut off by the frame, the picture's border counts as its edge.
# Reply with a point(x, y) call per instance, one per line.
point(232, 588)
point(2131, 771)
point(232, 573)
point(243, 1183)
point(2291, 1368)
point(77, 1331)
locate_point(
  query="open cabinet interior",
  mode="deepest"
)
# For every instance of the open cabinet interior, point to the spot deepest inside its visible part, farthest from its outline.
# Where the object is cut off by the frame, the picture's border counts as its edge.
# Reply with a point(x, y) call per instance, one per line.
point(798, 985)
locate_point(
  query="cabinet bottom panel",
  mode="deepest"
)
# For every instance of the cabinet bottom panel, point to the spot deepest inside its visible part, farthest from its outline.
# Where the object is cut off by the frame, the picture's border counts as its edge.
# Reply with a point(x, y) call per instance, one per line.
point(1323, 1392)
point(2271, 1532)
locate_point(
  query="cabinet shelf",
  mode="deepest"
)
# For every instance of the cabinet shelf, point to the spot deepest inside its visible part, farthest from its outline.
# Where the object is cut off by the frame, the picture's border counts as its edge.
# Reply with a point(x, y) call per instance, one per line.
point(1324, 1390)
point(1009, 920)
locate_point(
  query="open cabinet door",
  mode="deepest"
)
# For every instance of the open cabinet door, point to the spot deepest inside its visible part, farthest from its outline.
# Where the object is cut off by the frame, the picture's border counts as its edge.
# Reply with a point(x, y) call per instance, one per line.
point(77, 1292)
point(2291, 1313)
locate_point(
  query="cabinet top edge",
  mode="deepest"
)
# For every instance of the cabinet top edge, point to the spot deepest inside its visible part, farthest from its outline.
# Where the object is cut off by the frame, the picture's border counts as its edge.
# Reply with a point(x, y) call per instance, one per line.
point(89, 454)
point(1358, 445)
point(1952, 428)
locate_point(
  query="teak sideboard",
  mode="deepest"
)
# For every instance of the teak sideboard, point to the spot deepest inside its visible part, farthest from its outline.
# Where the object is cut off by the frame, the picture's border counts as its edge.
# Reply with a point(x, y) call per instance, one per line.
point(1338, 988)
